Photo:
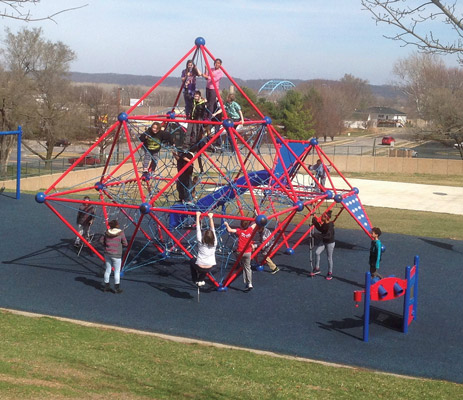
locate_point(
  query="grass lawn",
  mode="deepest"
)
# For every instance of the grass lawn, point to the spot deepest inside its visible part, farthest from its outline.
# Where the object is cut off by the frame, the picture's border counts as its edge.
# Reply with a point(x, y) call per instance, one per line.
point(43, 358)
point(409, 222)
point(426, 179)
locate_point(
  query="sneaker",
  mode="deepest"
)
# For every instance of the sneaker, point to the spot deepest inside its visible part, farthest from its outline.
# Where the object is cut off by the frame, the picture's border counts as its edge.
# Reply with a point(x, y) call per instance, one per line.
point(329, 276)
point(275, 271)
point(249, 288)
point(315, 271)
point(201, 283)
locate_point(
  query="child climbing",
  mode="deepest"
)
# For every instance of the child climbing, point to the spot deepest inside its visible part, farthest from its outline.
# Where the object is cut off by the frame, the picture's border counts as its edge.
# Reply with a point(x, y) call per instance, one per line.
point(207, 244)
point(263, 234)
point(326, 228)
point(244, 244)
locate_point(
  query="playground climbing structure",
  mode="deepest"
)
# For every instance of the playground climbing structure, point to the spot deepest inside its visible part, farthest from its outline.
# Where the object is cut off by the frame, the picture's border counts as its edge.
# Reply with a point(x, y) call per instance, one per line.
point(249, 172)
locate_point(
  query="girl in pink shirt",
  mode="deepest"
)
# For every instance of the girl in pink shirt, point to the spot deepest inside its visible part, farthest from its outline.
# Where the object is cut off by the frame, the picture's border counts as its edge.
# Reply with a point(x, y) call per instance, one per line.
point(216, 75)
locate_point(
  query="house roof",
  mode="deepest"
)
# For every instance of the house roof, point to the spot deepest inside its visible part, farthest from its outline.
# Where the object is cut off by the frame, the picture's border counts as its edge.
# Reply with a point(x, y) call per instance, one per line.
point(384, 110)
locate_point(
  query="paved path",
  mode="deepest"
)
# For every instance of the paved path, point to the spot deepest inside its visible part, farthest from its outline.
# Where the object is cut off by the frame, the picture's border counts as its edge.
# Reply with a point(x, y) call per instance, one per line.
point(409, 196)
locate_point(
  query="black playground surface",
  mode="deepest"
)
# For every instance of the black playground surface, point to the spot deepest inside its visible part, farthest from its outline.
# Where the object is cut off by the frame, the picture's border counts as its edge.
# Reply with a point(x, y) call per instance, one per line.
point(288, 313)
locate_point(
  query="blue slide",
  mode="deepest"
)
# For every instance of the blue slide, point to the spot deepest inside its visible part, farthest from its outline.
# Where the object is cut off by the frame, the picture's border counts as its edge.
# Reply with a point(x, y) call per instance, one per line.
point(219, 197)
point(227, 193)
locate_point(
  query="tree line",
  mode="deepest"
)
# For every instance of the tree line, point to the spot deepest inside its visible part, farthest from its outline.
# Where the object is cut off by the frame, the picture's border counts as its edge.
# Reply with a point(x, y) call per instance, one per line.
point(36, 93)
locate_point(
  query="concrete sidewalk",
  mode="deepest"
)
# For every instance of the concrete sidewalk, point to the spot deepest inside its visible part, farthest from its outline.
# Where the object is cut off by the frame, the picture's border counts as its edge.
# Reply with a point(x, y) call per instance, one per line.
point(408, 196)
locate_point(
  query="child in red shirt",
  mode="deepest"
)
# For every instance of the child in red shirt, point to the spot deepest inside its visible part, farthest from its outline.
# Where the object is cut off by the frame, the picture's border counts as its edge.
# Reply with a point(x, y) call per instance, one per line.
point(244, 234)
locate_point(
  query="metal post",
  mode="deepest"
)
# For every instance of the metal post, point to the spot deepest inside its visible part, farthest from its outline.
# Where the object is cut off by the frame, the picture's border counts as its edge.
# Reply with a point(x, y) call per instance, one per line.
point(366, 310)
point(118, 112)
point(18, 162)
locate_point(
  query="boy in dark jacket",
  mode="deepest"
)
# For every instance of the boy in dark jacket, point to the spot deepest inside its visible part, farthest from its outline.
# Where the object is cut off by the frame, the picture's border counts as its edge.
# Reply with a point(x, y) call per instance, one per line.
point(184, 181)
point(194, 131)
point(85, 217)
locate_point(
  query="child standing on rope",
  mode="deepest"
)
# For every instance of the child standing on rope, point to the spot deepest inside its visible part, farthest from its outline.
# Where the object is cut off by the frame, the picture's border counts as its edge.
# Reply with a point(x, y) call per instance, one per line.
point(113, 240)
point(207, 244)
point(194, 131)
point(326, 228)
point(215, 76)
point(375, 253)
point(189, 75)
point(244, 244)
point(151, 139)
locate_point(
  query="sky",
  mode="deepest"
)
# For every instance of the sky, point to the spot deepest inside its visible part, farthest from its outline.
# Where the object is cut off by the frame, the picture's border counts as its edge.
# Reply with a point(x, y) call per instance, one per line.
point(256, 39)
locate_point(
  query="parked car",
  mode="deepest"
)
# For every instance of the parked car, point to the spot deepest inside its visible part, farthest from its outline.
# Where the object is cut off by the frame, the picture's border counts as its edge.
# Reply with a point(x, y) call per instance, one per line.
point(458, 145)
point(88, 160)
point(388, 141)
point(413, 153)
point(61, 143)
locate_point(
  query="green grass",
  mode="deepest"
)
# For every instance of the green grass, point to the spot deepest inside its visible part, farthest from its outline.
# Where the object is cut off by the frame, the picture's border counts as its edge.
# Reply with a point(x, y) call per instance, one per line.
point(426, 179)
point(409, 222)
point(47, 358)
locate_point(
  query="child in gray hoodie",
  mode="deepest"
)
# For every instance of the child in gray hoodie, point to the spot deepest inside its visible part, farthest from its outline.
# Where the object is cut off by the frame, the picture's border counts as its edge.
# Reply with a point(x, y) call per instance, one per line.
point(113, 240)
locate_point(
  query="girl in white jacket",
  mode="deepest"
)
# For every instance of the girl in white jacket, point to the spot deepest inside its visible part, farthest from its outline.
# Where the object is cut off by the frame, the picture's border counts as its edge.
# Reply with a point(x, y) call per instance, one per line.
point(207, 244)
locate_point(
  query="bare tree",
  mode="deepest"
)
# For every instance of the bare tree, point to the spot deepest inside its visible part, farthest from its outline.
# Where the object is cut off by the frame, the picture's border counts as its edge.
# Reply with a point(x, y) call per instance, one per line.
point(15, 100)
point(435, 93)
point(332, 103)
point(418, 24)
point(102, 108)
point(39, 68)
point(419, 75)
point(21, 10)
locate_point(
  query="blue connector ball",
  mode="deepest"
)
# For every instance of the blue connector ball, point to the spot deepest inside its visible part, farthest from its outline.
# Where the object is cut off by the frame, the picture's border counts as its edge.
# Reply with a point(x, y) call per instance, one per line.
point(338, 198)
point(145, 208)
point(268, 120)
point(261, 220)
point(356, 190)
point(290, 251)
point(171, 114)
point(228, 123)
point(199, 41)
point(40, 197)
point(313, 141)
point(99, 186)
point(122, 117)
point(383, 248)
point(328, 194)
point(300, 205)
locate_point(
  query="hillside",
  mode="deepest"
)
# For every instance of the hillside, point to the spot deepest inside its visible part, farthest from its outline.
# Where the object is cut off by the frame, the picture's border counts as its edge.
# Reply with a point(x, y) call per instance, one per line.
point(385, 91)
